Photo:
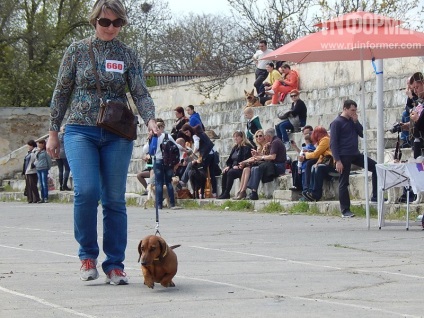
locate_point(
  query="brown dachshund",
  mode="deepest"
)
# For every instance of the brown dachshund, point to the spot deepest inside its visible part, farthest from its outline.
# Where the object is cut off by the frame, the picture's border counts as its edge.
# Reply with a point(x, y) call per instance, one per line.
point(158, 261)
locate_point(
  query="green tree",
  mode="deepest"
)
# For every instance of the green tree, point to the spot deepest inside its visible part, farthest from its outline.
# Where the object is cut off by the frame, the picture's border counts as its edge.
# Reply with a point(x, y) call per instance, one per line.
point(32, 43)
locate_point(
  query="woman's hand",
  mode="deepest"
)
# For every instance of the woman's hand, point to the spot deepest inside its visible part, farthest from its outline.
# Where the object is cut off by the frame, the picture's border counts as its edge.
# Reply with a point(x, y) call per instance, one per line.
point(151, 125)
point(53, 145)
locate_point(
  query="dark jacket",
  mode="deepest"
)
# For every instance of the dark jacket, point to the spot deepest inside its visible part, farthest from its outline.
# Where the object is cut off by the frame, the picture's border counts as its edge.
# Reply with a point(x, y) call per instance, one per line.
point(205, 144)
point(177, 126)
point(244, 153)
point(344, 137)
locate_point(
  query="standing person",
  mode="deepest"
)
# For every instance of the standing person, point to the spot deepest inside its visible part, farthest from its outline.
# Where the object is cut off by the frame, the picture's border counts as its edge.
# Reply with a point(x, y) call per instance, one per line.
point(411, 102)
point(253, 124)
point(163, 174)
point(240, 152)
point(288, 82)
point(30, 173)
point(43, 163)
point(205, 148)
point(344, 133)
point(62, 163)
point(180, 120)
point(293, 119)
point(261, 73)
point(98, 158)
point(194, 119)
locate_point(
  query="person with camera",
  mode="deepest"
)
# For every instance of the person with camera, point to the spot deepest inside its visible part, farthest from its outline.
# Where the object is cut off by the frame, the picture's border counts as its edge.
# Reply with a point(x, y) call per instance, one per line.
point(411, 102)
point(98, 158)
point(344, 133)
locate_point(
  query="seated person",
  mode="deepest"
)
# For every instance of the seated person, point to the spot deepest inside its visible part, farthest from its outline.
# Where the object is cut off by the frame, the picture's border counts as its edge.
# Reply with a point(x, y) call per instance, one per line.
point(306, 146)
point(273, 75)
point(321, 140)
point(240, 152)
point(184, 158)
point(288, 82)
point(322, 168)
point(270, 166)
point(148, 171)
point(261, 150)
point(293, 119)
point(252, 125)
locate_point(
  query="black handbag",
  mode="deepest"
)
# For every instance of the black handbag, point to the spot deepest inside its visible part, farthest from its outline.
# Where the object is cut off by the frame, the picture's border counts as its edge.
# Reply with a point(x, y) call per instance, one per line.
point(114, 116)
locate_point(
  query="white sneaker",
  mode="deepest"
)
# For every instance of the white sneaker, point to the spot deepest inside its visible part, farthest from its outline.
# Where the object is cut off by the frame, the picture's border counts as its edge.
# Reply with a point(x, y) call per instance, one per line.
point(287, 145)
point(117, 277)
point(88, 270)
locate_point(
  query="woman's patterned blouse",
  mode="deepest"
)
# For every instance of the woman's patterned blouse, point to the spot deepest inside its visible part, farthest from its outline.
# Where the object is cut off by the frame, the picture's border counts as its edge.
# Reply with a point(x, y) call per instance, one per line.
point(118, 68)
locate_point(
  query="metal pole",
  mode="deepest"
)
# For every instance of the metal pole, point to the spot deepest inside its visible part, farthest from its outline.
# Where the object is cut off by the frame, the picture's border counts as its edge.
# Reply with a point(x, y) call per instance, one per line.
point(364, 124)
point(380, 120)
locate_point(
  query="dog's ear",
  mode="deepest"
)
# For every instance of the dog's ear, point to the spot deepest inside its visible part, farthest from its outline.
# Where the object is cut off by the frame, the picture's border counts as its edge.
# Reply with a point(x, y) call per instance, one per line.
point(139, 250)
point(245, 92)
point(253, 90)
point(162, 245)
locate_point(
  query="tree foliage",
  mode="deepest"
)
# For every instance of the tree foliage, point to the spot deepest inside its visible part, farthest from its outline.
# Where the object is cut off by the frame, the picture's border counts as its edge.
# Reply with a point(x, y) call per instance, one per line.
point(33, 34)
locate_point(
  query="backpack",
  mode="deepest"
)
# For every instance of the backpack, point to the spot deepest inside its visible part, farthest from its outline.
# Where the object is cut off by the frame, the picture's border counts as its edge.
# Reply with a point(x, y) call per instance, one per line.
point(170, 152)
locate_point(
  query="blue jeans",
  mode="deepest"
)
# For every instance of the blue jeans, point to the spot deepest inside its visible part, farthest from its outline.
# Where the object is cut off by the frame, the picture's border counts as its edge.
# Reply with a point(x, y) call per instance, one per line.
point(163, 175)
point(318, 175)
point(99, 163)
point(44, 184)
point(281, 129)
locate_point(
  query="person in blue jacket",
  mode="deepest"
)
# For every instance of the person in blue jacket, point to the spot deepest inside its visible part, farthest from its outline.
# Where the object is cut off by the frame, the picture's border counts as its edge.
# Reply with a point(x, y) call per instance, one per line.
point(194, 117)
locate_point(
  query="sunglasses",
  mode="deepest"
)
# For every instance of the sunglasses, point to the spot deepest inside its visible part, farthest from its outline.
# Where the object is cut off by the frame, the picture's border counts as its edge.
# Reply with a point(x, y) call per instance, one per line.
point(257, 136)
point(293, 96)
point(106, 22)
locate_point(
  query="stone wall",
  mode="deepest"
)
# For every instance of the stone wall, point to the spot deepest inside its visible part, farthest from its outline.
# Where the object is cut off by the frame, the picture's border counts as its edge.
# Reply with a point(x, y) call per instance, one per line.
point(324, 86)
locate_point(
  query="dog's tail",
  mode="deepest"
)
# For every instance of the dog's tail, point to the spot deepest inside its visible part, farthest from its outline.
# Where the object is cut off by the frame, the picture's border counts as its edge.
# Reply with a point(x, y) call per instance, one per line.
point(174, 246)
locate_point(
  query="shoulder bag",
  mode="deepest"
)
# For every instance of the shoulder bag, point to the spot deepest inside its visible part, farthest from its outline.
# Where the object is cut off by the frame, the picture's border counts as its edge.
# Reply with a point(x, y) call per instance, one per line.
point(114, 116)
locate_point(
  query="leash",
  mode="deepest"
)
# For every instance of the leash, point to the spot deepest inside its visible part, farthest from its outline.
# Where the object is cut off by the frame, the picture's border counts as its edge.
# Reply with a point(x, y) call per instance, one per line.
point(156, 203)
point(152, 151)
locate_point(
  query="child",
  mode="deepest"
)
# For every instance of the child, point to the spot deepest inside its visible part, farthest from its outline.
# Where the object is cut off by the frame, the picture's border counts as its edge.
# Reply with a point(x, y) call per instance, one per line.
point(42, 163)
point(253, 124)
point(308, 147)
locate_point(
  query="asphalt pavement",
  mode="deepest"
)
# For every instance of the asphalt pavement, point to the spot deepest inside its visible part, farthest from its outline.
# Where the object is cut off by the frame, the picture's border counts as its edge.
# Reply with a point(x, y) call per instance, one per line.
point(231, 264)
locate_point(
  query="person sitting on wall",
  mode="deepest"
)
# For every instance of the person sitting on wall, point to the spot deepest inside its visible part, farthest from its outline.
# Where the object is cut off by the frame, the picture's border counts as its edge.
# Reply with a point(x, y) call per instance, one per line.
point(288, 82)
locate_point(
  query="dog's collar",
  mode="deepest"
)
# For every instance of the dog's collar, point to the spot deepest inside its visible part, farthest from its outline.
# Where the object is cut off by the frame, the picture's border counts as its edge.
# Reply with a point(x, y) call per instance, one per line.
point(164, 254)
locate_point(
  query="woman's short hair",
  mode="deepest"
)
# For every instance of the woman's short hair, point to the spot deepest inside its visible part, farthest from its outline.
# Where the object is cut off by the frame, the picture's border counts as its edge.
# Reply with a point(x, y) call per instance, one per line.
point(115, 6)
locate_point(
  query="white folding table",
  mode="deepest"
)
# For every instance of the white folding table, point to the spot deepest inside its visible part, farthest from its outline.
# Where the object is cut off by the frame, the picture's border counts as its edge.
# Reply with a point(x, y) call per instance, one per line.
point(391, 175)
